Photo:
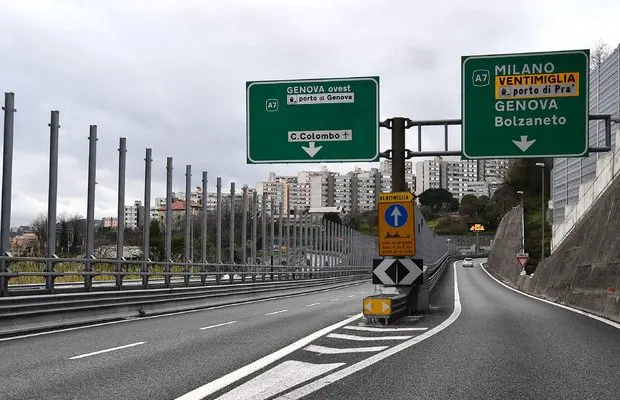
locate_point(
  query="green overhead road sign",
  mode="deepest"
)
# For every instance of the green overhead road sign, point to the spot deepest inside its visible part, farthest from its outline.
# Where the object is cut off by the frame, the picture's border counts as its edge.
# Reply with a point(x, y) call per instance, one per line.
point(314, 120)
point(525, 105)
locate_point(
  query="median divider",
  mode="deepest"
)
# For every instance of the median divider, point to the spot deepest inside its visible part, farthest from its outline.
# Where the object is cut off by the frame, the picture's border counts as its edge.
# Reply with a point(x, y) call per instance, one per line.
point(28, 314)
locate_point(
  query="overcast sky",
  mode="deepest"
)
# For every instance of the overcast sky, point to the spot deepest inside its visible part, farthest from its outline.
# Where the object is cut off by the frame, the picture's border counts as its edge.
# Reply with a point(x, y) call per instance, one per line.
point(171, 75)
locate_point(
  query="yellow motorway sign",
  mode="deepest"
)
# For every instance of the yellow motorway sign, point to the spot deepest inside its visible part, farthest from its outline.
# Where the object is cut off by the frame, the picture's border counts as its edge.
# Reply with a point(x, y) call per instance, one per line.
point(477, 228)
point(377, 307)
point(396, 224)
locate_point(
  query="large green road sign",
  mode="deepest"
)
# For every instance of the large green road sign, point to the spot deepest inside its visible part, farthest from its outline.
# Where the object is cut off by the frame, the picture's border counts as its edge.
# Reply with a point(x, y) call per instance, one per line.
point(525, 105)
point(318, 120)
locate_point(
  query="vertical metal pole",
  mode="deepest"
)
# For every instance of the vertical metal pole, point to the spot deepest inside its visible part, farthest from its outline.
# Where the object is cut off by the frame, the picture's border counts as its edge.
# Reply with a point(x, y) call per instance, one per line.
point(295, 223)
point(522, 226)
point(272, 212)
point(188, 222)
point(280, 234)
point(288, 235)
point(146, 238)
point(90, 204)
point(254, 233)
point(542, 216)
point(398, 155)
point(203, 228)
point(120, 227)
point(244, 227)
point(263, 239)
point(52, 199)
point(168, 228)
point(7, 180)
point(218, 226)
point(231, 234)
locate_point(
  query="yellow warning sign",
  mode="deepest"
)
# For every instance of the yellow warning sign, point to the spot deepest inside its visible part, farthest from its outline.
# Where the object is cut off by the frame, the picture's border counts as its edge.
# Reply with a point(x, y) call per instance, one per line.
point(396, 196)
point(565, 84)
point(396, 224)
point(377, 306)
point(477, 228)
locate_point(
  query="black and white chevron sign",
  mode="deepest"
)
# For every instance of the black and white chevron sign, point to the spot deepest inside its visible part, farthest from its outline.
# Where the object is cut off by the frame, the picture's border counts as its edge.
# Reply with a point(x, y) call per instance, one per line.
point(397, 271)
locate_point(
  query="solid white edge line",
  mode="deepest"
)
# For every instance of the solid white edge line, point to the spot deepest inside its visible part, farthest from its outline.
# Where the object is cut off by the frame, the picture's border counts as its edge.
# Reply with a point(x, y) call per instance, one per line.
point(94, 353)
point(575, 310)
point(276, 312)
point(218, 325)
point(356, 338)
point(343, 373)
point(171, 314)
point(312, 305)
point(334, 299)
point(349, 350)
point(232, 377)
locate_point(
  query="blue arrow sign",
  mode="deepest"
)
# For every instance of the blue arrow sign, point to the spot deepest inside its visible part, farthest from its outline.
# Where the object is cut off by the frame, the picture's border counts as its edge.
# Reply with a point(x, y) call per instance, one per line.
point(396, 216)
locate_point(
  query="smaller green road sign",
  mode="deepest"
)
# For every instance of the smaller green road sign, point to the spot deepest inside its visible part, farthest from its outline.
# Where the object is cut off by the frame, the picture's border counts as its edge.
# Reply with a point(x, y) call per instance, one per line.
point(525, 105)
point(319, 120)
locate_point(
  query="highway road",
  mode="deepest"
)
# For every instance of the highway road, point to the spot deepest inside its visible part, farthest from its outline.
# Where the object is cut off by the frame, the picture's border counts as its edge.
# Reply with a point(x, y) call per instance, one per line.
point(480, 341)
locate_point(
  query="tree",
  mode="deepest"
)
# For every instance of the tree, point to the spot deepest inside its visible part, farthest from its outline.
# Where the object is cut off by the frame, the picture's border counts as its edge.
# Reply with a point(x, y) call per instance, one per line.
point(437, 199)
point(77, 227)
point(468, 206)
point(428, 213)
point(39, 226)
point(454, 204)
point(599, 54)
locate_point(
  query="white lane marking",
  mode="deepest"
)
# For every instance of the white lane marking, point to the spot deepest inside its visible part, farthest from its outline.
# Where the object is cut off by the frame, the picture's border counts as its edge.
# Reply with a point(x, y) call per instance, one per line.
point(352, 295)
point(334, 299)
point(575, 310)
point(365, 338)
point(218, 325)
point(278, 379)
point(171, 314)
point(276, 312)
point(94, 353)
point(312, 305)
point(242, 372)
point(332, 350)
point(342, 373)
point(373, 329)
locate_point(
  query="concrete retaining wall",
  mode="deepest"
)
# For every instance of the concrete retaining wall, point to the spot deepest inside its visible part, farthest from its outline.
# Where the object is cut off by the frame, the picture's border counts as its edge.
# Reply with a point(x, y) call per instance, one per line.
point(583, 272)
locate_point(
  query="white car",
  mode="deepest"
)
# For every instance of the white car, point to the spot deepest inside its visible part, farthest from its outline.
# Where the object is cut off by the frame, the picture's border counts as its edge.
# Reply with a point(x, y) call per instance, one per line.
point(468, 262)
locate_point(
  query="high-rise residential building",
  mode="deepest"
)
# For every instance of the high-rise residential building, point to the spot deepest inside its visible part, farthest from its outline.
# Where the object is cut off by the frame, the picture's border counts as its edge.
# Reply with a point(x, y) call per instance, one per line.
point(569, 173)
point(134, 215)
point(385, 167)
point(428, 174)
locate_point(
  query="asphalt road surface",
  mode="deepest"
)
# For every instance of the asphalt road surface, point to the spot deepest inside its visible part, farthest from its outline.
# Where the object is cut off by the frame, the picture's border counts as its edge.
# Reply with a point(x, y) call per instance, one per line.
point(480, 341)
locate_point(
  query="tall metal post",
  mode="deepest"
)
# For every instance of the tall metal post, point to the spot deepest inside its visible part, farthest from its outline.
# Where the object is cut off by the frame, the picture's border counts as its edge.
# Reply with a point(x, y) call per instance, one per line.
point(254, 233)
point(295, 223)
point(203, 229)
point(52, 199)
point(146, 225)
point(263, 239)
point(218, 224)
point(398, 155)
point(288, 235)
point(542, 215)
point(244, 225)
point(244, 229)
point(280, 234)
point(231, 231)
point(90, 204)
point(7, 180)
point(188, 222)
point(272, 212)
point(168, 231)
point(120, 230)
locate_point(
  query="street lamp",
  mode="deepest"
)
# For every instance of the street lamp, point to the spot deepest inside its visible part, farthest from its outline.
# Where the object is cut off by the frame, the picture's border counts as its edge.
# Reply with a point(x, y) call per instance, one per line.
point(542, 206)
point(522, 223)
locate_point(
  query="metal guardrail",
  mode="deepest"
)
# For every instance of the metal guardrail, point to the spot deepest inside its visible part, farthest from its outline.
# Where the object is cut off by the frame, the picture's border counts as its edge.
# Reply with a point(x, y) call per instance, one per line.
point(32, 313)
point(160, 274)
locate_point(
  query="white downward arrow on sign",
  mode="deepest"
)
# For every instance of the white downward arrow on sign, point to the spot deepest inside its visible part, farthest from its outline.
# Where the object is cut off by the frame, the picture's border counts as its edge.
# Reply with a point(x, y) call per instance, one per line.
point(395, 214)
point(414, 271)
point(311, 149)
point(524, 144)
